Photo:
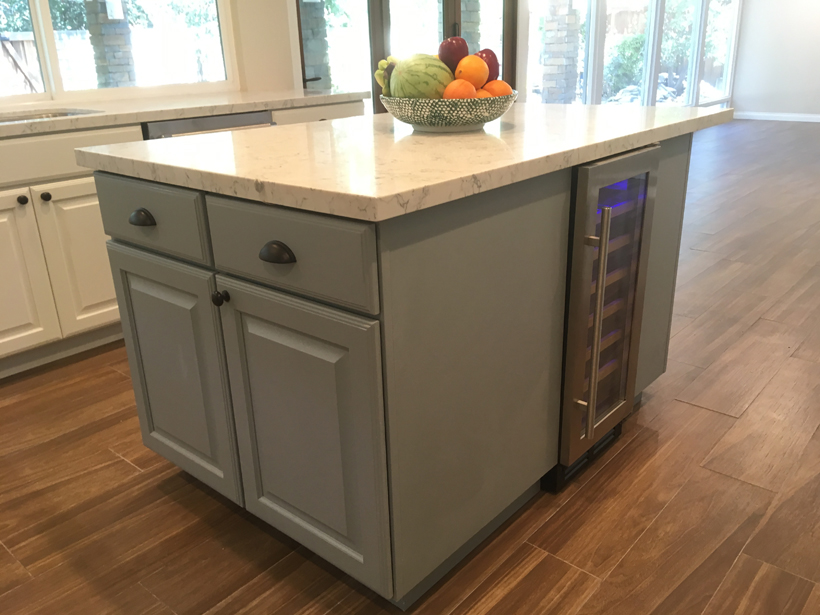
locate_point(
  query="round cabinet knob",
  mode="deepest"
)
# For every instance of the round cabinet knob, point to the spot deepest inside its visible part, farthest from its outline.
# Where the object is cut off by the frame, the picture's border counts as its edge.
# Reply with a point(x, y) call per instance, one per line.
point(218, 298)
point(277, 253)
point(22, 199)
point(46, 196)
point(141, 217)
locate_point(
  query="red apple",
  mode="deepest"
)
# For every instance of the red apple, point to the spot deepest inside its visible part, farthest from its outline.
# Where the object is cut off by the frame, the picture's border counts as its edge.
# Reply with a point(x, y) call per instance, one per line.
point(452, 51)
point(488, 55)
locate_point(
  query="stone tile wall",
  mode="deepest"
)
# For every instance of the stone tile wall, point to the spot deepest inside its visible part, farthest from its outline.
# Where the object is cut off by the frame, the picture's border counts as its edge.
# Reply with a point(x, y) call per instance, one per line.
point(561, 48)
point(111, 42)
point(314, 40)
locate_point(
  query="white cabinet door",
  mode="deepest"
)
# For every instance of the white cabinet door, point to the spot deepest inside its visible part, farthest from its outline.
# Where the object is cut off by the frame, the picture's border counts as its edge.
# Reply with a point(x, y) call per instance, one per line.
point(27, 314)
point(74, 245)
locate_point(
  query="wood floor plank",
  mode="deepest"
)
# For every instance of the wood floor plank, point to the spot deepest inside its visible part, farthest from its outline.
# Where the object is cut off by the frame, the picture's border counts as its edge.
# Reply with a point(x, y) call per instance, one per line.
point(813, 603)
point(295, 584)
point(22, 508)
point(694, 297)
point(679, 323)
point(192, 581)
point(753, 587)
point(718, 328)
point(12, 572)
point(789, 536)
point(597, 526)
point(677, 377)
point(765, 443)
point(129, 519)
point(736, 378)
point(678, 563)
point(531, 581)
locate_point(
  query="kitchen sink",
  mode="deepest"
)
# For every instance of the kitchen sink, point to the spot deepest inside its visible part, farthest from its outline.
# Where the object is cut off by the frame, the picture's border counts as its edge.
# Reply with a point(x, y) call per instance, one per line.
point(45, 114)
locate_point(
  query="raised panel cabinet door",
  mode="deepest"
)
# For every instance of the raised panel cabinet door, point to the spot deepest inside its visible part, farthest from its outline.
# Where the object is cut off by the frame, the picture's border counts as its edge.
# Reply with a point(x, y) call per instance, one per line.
point(307, 392)
point(174, 341)
point(28, 317)
point(74, 244)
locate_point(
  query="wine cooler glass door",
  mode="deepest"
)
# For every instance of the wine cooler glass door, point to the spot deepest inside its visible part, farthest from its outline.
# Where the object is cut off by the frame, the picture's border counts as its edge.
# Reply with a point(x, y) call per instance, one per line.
point(613, 211)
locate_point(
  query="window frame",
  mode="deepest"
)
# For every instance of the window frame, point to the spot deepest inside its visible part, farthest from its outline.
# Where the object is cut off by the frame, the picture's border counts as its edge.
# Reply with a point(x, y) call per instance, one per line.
point(46, 45)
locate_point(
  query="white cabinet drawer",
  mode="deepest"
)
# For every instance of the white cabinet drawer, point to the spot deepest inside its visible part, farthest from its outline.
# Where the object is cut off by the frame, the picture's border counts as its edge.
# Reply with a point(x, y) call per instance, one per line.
point(28, 160)
point(317, 114)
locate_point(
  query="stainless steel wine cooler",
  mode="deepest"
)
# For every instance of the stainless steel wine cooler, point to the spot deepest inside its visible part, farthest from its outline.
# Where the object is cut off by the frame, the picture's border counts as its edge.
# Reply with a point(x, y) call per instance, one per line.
point(614, 202)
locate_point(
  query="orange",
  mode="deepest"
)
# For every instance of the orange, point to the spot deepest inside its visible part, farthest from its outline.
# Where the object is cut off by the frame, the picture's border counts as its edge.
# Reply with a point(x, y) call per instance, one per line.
point(483, 94)
point(498, 88)
point(459, 89)
point(474, 70)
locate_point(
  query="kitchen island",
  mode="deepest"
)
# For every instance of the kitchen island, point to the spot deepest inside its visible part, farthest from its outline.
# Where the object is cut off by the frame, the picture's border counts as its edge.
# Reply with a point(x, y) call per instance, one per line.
point(361, 334)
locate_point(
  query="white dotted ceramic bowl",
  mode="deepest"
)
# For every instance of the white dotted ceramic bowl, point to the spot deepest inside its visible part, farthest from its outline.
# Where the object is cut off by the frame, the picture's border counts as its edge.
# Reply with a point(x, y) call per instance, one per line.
point(453, 115)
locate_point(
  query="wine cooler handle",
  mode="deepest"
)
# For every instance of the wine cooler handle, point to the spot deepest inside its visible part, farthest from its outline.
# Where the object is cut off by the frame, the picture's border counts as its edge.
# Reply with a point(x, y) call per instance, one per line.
point(598, 319)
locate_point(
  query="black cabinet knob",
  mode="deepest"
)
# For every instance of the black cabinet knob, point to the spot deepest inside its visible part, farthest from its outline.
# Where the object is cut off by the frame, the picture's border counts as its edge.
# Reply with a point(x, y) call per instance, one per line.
point(23, 200)
point(46, 196)
point(218, 298)
point(141, 217)
point(278, 253)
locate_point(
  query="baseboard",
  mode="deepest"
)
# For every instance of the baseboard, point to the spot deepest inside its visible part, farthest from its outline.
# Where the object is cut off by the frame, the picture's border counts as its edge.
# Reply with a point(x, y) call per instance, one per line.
point(777, 117)
point(41, 355)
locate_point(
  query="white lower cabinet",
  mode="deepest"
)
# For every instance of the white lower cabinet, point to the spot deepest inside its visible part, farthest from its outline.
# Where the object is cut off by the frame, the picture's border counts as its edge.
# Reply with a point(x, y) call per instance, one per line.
point(73, 239)
point(27, 314)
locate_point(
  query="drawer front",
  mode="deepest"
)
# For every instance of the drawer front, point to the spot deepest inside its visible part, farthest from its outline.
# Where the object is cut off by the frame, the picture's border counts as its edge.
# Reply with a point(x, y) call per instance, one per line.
point(318, 114)
point(335, 259)
point(163, 218)
point(27, 160)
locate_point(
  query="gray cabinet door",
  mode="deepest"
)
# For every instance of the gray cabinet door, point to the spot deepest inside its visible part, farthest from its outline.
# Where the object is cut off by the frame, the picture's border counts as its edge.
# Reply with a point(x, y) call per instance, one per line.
point(307, 392)
point(174, 340)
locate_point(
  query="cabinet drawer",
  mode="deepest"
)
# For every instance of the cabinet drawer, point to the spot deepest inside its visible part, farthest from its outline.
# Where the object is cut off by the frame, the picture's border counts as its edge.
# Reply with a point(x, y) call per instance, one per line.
point(335, 259)
point(163, 218)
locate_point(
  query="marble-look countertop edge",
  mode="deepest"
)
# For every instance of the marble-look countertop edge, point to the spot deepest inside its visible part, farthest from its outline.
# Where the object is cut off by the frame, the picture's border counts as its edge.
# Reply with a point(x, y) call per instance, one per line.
point(381, 208)
point(112, 119)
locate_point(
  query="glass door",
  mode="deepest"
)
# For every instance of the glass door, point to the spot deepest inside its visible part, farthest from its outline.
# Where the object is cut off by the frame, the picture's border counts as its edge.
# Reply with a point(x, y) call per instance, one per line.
point(416, 26)
point(336, 45)
point(625, 51)
point(613, 215)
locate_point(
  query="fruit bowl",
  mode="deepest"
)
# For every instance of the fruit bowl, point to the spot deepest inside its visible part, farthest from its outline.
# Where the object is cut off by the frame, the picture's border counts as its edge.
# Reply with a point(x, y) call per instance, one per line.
point(448, 115)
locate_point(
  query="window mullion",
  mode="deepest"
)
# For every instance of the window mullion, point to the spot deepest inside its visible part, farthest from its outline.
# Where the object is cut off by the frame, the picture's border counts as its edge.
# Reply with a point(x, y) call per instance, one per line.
point(654, 40)
point(595, 56)
point(41, 16)
point(696, 61)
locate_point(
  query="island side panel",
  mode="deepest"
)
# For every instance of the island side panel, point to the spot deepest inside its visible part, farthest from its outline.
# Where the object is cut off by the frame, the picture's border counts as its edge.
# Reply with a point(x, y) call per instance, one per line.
point(664, 250)
point(473, 309)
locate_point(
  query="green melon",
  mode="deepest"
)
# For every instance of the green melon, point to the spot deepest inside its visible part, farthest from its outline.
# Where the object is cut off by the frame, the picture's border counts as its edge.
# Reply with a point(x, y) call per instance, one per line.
point(420, 76)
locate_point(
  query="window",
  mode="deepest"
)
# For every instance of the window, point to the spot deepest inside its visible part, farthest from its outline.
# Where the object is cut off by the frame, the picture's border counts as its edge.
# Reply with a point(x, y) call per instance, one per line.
point(96, 44)
point(416, 27)
point(335, 39)
point(676, 51)
point(557, 51)
point(625, 50)
point(19, 60)
point(665, 52)
point(718, 50)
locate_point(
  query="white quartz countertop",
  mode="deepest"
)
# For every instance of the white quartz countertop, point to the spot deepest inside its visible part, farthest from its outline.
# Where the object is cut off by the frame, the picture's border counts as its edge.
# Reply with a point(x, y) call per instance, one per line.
point(376, 168)
point(137, 110)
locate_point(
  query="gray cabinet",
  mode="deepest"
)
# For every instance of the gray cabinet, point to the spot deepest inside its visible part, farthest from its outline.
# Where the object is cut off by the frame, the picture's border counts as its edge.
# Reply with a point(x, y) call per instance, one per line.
point(307, 394)
point(174, 341)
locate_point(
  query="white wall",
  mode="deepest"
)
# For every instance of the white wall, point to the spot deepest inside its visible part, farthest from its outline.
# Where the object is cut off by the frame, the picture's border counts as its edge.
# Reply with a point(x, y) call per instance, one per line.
point(267, 45)
point(777, 61)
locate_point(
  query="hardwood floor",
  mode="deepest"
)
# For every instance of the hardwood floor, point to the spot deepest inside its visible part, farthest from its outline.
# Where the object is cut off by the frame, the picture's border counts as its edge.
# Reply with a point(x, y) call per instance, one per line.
point(708, 504)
